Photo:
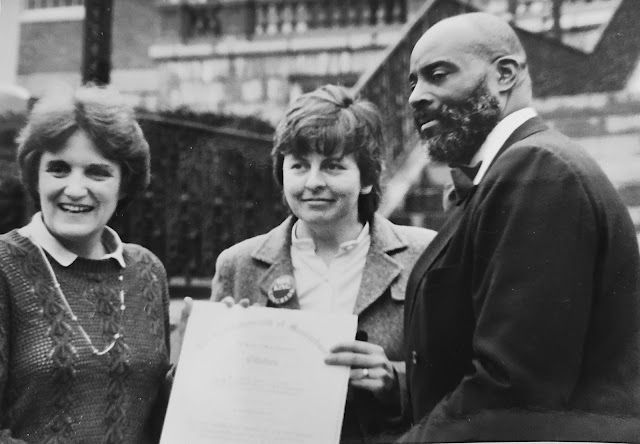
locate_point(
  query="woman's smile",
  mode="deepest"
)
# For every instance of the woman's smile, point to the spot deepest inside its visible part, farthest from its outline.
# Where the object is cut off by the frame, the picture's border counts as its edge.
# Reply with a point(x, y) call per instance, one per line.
point(317, 200)
point(79, 190)
point(75, 208)
point(322, 190)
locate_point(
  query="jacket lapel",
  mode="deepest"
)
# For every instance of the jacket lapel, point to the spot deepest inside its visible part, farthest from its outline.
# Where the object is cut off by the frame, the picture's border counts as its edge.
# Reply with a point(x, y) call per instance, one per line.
point(276, 251)
point(434, 249)
point(379, 272)
point(531, 126)
point(528, 128)
point(380, 268)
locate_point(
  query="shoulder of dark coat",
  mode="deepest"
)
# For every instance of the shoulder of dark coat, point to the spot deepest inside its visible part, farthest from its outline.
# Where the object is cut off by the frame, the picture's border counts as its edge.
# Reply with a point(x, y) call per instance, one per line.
point(548, 152)
point(550, 143)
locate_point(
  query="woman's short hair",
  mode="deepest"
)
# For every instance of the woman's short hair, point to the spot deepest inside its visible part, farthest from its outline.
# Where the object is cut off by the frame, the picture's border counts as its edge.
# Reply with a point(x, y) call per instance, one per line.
point(107, 120)
point(329, 121)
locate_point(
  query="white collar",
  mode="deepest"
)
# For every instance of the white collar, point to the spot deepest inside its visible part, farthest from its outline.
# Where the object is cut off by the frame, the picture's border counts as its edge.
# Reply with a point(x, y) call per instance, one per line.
point(307, 242)
point(37, 231)
point(496, 139)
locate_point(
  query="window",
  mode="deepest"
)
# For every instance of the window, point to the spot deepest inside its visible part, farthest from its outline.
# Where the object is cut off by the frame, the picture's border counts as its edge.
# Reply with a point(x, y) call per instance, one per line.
point(52, 10)
point(46, 4)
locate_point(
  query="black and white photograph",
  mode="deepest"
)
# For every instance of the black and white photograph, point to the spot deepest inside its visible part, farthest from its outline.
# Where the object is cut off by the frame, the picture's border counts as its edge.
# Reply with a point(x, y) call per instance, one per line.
point(319, 221)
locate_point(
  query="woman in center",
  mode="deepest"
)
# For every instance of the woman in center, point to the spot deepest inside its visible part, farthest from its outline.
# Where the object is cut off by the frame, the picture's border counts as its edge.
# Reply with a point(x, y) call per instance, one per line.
point(335, 254)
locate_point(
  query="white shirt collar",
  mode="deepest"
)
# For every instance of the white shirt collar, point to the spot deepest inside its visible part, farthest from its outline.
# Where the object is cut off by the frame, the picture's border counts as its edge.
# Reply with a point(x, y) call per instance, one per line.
point(307, 242)
point(37, 231)
point(331, 287)
point(496, 139)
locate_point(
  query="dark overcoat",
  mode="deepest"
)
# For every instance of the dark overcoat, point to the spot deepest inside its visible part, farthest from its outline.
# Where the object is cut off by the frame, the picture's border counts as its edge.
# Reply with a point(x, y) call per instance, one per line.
point(522, 317)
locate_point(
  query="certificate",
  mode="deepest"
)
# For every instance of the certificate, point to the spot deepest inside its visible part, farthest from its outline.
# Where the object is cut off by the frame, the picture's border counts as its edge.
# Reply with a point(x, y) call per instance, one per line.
point(257, 375)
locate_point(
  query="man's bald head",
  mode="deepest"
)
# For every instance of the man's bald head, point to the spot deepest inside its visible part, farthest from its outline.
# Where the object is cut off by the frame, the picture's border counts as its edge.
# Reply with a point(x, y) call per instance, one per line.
point(478, 33)
point(479, 45)
point(466, 74)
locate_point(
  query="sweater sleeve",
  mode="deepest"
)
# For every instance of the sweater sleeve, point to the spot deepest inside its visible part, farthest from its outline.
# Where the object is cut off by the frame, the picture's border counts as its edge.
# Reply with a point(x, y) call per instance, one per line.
point(156, 418)
point(164, 285)
point(222, 282)
point(4, 338)
point(5, 317)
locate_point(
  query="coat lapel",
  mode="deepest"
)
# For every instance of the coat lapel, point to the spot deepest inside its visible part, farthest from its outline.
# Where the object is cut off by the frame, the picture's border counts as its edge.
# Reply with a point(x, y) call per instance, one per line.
point(433, 251)
point(531, 126)
point(380, 268)
point(276, 251)
point(379, 273)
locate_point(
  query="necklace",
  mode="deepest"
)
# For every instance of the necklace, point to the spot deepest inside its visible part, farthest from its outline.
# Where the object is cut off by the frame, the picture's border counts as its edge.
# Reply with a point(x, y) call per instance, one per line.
point(74, 318)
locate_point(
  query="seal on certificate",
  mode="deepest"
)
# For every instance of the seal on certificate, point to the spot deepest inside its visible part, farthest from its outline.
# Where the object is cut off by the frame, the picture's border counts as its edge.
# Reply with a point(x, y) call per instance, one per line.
point(282, 289)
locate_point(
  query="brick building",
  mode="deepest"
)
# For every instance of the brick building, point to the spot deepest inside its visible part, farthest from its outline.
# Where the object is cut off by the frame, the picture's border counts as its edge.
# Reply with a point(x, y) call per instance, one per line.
point(253, 56)
point(237, 56)
point(51, 43)
point(241, 56)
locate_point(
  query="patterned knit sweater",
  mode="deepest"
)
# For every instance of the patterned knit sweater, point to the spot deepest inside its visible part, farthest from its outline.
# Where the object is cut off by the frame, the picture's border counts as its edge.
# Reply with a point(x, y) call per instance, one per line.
point(53, 389)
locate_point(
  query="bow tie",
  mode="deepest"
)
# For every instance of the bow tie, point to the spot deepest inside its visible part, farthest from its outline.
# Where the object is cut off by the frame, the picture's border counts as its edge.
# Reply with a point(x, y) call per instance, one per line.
point(463, 176)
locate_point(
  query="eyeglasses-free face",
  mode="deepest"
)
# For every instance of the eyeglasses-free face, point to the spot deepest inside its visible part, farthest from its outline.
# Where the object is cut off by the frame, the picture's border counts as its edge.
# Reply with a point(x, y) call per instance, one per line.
point(79, 190)
point(323, 190)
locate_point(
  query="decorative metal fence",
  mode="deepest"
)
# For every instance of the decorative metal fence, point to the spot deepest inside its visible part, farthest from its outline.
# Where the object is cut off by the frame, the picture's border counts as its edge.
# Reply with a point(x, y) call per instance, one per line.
point(210, 188)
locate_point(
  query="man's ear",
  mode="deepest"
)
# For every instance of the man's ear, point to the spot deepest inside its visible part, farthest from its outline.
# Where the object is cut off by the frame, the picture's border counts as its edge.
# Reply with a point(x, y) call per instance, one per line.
point(508, 70)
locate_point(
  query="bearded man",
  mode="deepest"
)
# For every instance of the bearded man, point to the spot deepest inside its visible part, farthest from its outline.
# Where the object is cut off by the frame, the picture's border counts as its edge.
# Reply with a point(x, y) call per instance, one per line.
point(522, 317)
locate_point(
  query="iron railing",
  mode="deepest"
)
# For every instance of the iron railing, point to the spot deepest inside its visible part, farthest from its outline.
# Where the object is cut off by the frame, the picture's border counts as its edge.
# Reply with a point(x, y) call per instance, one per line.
point(210, 188)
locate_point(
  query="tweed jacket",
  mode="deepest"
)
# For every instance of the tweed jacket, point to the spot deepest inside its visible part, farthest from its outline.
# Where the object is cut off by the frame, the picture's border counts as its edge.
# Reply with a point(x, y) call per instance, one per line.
point(249, 268)
point(522, 318)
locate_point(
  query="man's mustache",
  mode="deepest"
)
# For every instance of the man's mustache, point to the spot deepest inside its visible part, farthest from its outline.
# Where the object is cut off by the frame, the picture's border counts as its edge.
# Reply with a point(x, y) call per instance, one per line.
point(422, 116)
point(425, 114)
point(446, 113)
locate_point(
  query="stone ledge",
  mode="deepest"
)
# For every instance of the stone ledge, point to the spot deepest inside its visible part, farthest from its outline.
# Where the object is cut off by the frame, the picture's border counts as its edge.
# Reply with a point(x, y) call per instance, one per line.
point(353, 41)
point(57, 14)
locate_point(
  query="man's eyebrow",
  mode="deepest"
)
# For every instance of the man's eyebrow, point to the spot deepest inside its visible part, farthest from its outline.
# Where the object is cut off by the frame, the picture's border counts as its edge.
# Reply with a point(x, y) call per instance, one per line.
point(433, 65)
point(429, 67)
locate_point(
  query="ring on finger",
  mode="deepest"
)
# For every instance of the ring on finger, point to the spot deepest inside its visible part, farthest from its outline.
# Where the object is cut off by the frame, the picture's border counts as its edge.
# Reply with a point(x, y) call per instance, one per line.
point(365, 373)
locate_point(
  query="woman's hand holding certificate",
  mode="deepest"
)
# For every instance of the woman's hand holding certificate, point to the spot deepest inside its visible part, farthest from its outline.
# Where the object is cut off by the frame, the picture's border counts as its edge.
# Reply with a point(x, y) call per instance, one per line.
point(370, 368)
point(258, 375)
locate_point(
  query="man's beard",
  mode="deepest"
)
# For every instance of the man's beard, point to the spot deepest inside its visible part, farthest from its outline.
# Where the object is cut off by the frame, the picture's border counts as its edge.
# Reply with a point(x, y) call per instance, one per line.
point(464, 126)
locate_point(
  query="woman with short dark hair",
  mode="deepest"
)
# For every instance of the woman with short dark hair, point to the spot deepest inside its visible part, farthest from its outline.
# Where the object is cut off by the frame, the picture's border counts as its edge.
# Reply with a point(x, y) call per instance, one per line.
point(334, 122)
point(84, 342)
point(104, 116)
point(335, 254)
